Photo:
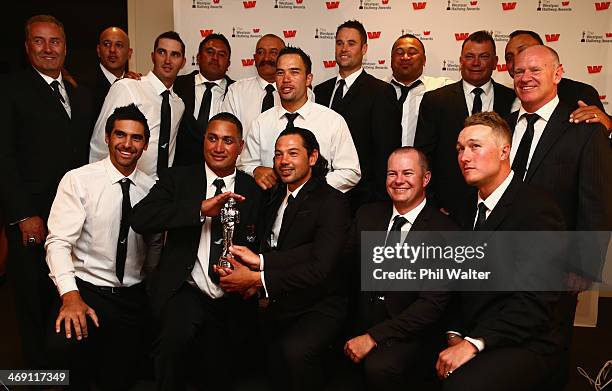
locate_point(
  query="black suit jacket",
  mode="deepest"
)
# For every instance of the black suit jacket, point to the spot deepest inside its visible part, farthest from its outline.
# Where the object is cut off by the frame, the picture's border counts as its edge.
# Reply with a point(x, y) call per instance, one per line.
point(409, 314)
point(522, 318)
point(99, 85)
point(173, 205)
point(302, 273)
point(441, 116)
point(190, 139)
point(373, 116)
point(40, 143)
point(571, 91)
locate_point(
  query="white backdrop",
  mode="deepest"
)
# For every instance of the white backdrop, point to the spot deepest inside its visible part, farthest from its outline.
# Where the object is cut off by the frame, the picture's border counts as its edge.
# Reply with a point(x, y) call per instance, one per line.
point(580, 30)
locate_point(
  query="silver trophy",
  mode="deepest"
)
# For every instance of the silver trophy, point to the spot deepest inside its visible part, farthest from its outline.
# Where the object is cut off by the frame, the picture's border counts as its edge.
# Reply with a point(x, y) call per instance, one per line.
point(230, 216)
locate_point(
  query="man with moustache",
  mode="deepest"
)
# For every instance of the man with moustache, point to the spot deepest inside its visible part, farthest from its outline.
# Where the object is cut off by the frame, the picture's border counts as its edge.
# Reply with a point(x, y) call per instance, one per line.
point(441, 117)
point(507, 340)
point(397, 329)
point(42, 114)
point(100, 275)
point(369, 107)
point(155, 98)
point(293, 77)
point(407, 62)
point(305, 227)
point(202, 327)
point(203, 92)
point(582, 98)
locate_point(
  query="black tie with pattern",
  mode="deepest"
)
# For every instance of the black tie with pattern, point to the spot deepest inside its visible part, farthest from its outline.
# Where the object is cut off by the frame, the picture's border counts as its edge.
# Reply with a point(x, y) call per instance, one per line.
point(477, 106)
point(482, 216)
point(522, 153)
point(216, 237)
point(164, 133)
point(56, 89)
point(124, 229)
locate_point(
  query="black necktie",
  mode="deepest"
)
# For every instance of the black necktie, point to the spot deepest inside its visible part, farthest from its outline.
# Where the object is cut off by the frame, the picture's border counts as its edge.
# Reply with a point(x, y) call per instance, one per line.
point(124, 229)
point(477, 106)
point(164, 133)
point(522, 153)
point(405, 90)
point(204, 112)
point(394, 234)
point(290, 118)
point(216, 237)
point(268, 100)
point(482, 216)
point(338, 94)
point(56, 89)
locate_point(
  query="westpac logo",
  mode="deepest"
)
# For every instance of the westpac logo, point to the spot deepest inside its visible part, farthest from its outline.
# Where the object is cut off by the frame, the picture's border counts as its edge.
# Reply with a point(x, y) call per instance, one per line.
point(502, 68)
point(332, 5)
point(249, 3)
point(248, 62)
point(593, 37)
point(206, 4)
point(374, 5)
point(378, 65)
point(419, 5)
point(461, 36)
point(289, 4)
point(553, 5)
point(323, 33)
point(462, 5)
point(552, 37)
point(299, 1)
point(508, 6)
point(450, 66)
point(602, 6)
point(289, 33)
point(422, 35)
point(329, 63)
point(374, 34)
point(473, 3)
point(239, 32)
point(382, 62)
point(594, 68)
point(602, 97)
point(206, 33)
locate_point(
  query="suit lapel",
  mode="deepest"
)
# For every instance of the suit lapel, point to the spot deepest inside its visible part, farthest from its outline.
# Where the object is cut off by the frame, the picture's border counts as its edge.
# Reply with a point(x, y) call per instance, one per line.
point(189, 94)
point(48, 94)
point(460, 97)
point(499, 103)
point(291, 210)
point(502, 209)
point(554, 129)
point(353, 91)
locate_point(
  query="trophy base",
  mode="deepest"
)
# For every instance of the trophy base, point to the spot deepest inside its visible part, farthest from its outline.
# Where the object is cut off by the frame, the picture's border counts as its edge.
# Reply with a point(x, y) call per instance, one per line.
point(223, 262)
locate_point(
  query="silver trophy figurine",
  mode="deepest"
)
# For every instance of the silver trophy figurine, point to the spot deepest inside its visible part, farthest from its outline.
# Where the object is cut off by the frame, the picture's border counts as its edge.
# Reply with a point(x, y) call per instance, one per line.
point(230, 216)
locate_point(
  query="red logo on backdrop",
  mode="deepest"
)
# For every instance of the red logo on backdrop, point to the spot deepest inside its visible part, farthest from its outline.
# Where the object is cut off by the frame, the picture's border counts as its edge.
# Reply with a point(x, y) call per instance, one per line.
point(216, 1)
point(381, 62)
point(594, 68)
point(602, 97)
point(384, 1)
point(419, 5)
point(502, 68)
point(608, 35)
point(332, 4)
point(329, 63)
point(552, 37)
point(473, 3)
point(602, 6)
point(373, 34)
point(205, 33)
point(299, 1)
point(249, 4)
point(289, 33)
point(247, 62)
point(565, 3)
point(256, 30)
point(509, 6)
point(461, 36)
point(426, 32)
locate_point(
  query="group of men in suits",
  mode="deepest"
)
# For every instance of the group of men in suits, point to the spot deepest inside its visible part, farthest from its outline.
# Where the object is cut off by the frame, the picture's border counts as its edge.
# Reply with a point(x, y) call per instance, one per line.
point(295, 207)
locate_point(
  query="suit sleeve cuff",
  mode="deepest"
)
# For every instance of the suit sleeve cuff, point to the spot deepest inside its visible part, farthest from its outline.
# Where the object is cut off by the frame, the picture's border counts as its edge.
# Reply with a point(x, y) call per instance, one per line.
point(261, 262)
point(263, 283)
point(478, 342)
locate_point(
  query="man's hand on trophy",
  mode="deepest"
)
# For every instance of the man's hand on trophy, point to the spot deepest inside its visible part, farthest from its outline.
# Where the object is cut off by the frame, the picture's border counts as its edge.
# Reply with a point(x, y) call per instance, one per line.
point(212, 206)
point(241, 279)
point(248, 257)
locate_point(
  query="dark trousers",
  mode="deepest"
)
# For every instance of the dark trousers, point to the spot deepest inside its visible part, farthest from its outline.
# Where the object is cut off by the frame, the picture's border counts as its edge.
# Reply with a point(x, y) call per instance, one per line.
point(504, 369)
point(34, 294)
point(201, 340)
point(297, 348)
point(112, 355)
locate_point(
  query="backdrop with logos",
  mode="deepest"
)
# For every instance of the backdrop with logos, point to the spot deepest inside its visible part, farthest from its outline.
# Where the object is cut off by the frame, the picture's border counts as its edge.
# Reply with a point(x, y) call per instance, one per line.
point(580, 30)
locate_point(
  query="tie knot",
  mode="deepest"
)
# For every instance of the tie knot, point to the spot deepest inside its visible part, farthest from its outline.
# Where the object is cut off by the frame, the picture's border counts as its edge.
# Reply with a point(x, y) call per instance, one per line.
point(398, 222)
point(531, 118)
point(219, 184)
point(290, 199)
point(209, 85)
point(270, 88)
point(290, 118)
point(482, 208)
point(477, 91)
point(125, 184)
point(165, 94)
point(341, 83)
point(55, 84)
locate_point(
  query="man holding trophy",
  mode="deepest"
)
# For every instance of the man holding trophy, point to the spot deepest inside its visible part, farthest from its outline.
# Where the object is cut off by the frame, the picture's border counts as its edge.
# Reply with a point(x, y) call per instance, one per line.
point(202, 209)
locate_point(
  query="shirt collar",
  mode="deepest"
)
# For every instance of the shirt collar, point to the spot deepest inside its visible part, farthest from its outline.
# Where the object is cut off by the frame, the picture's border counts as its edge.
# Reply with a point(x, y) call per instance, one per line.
point(50, 80)
point(263, 83)
point(295, 192)
point(350, 79)
point(421, 78)
point(211, 176)
point(497, 194)
point(157, 84)
point(115, 176)
point(412, 214)
point(545, 112)
point(302, 111)
point(487, 87)
point(109, 75)
point(200, 79)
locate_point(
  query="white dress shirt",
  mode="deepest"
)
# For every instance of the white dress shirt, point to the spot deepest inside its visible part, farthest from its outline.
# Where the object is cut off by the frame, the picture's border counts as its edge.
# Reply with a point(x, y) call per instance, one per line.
point(410, 110)
point(62, 89)
point(331, 132)
point(199, 274)
point(218, 93)
point(84, 227)
point(538, 129)
point(411, 216)
point(109, 75)
point(244, 99)
point(146, 95)
point(487, 95)
point(348, 82)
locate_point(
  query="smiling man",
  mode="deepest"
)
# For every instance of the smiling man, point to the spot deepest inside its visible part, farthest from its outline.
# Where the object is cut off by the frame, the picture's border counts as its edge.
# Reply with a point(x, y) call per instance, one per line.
point(98, 264)
point(441, 117)
point(154, 96)
point(293, 77)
